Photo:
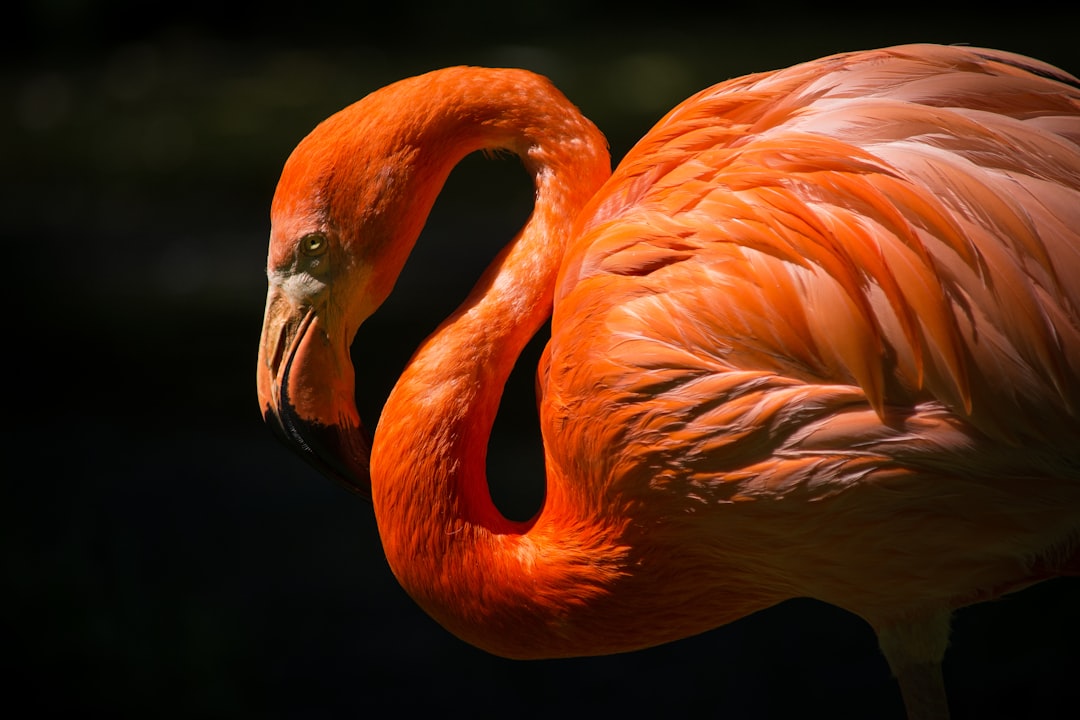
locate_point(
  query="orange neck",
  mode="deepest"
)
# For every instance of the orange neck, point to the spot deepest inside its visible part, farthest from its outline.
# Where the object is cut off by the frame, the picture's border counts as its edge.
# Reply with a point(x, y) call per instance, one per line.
point(503, 585)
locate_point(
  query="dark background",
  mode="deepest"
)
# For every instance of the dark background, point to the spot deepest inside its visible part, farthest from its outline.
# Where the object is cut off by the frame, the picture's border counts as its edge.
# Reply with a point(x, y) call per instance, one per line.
point(163, 555)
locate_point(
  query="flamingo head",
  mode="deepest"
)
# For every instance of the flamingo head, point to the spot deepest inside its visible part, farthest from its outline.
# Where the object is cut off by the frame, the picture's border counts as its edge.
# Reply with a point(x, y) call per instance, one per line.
point(341, 228)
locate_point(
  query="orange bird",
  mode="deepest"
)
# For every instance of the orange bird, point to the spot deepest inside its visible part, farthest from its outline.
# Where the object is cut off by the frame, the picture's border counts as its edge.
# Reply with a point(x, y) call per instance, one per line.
point(818, 335)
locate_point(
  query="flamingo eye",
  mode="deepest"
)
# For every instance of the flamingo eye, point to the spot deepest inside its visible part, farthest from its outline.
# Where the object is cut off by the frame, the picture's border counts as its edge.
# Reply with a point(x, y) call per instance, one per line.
point(313, 244)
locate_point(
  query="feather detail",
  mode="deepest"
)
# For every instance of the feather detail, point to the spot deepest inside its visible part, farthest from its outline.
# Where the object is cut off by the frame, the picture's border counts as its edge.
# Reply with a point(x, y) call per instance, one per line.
point(908, 226)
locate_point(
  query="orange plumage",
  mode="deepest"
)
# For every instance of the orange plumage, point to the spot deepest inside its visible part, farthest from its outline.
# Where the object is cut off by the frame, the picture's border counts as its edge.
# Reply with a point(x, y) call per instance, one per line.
point(817, 335)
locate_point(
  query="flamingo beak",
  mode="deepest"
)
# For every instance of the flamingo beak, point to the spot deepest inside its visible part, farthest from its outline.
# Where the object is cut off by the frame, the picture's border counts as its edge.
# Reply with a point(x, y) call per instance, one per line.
point(306, 385)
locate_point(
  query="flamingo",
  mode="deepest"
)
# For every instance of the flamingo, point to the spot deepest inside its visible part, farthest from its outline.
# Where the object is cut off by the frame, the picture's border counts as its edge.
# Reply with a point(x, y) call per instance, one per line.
point(817, 335)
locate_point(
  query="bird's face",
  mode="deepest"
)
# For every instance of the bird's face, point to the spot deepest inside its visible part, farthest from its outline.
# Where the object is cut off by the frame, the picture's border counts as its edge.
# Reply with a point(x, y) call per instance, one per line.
point(305, 374)
point(320, 289)
point(346, 213)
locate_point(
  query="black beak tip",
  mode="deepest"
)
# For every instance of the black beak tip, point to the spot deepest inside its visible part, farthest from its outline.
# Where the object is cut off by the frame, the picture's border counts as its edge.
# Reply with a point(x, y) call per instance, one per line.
point(342, 454)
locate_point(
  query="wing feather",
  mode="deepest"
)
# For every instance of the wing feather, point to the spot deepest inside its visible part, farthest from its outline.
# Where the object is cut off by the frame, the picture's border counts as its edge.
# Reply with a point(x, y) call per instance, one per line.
point(899, 228)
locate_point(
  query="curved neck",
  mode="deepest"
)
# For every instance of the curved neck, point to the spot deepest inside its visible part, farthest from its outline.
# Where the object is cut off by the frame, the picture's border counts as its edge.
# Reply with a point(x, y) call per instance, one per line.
point(443, 536)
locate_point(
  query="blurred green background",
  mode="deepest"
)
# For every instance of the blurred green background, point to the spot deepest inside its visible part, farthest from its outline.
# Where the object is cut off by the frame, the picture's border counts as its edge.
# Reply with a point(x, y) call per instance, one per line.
point(163, 555)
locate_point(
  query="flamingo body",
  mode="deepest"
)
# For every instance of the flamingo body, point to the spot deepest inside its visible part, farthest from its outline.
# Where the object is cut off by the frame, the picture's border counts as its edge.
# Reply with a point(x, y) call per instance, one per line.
point(818, 335)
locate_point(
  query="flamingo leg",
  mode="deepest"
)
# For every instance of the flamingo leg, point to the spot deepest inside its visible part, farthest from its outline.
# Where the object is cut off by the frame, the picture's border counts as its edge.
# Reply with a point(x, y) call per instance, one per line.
point(914, 650)
point(923, 690)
